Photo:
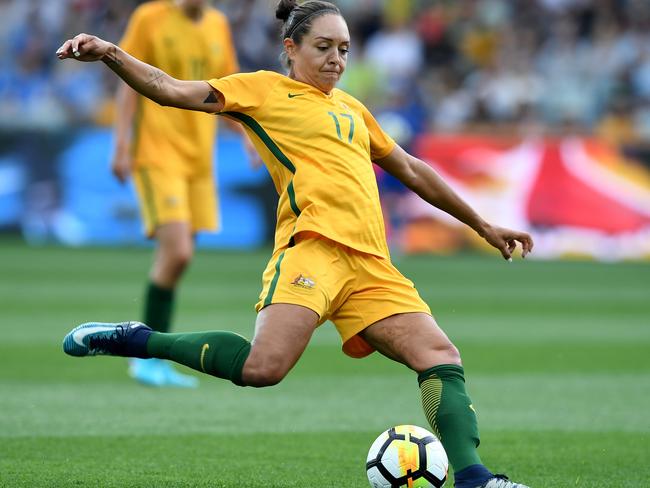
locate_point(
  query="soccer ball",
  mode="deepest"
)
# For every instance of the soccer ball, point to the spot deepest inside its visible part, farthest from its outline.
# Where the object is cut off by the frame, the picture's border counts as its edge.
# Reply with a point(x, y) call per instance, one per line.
point(407, 456)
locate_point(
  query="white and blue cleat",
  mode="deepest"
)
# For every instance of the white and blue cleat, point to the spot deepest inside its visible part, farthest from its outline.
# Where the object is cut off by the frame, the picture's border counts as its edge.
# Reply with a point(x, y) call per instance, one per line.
point(98, 338)
point(127, 339)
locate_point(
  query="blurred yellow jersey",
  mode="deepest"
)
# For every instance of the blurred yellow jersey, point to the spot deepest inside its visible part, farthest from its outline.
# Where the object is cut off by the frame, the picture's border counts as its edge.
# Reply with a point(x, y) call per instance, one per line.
point(319, 150)
point(160, 34)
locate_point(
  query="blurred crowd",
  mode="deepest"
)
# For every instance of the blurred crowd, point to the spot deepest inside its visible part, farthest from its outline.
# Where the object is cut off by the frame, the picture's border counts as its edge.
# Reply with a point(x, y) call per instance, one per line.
point(423, 65)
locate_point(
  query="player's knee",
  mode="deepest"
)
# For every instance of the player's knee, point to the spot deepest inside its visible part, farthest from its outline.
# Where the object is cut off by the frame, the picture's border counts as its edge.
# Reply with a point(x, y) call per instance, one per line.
point(453, 354)
point(184, 256)
point(180, 258)
point(266, 377)
point(267, 372)
point(442, 353)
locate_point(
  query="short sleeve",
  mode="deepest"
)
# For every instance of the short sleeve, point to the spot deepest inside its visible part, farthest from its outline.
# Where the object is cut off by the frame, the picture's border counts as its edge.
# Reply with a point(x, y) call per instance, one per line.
point(136, 37)
point(243, 92)
point(381, 144)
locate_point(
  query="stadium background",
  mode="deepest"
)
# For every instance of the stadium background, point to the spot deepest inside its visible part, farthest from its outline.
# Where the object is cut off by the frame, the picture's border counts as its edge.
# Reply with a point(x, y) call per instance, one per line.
point(542, 125)
point(537, 111)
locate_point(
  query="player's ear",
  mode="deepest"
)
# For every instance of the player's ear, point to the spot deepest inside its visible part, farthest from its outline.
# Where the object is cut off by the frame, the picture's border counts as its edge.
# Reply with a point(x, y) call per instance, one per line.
point(289, 47)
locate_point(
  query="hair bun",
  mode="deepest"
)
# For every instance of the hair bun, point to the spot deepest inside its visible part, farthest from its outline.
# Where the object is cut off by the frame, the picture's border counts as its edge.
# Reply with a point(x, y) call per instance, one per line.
point(284, 9)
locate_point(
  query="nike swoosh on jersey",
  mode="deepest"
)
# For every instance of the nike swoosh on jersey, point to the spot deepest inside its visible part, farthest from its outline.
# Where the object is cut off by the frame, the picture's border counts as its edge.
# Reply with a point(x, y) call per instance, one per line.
point(294, 95)
point(79, 335)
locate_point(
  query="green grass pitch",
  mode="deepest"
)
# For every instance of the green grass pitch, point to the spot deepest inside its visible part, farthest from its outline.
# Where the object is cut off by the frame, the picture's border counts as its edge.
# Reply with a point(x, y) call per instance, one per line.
point(557, 359)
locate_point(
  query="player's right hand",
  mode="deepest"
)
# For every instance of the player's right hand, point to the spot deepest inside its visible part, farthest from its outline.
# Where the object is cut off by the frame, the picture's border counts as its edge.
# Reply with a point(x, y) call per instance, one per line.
point(83, 47)
point(253, 156)
point(122, 165)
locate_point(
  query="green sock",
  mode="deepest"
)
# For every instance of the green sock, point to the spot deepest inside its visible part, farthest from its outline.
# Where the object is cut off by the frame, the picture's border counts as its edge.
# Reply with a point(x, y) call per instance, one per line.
point(158, 307)
point(450, 412)
point(218, 353)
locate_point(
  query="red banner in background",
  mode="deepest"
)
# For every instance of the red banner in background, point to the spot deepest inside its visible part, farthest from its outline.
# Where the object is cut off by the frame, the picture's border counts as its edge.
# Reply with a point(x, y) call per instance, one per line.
point(577, 196)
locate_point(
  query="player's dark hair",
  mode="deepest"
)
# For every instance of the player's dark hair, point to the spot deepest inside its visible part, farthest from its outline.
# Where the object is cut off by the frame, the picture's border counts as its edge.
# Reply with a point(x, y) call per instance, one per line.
point(298, 18)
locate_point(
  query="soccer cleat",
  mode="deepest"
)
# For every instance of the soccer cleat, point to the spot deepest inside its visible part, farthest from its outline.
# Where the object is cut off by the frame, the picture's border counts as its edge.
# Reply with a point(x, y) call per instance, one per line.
point(96, 338)
point(501, 481)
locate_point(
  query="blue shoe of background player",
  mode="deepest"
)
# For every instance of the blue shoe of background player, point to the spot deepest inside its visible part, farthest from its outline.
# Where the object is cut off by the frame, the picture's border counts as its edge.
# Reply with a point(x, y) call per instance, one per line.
point(147, 371)
point(159, 373)
point(179, 380)
point(99, 338)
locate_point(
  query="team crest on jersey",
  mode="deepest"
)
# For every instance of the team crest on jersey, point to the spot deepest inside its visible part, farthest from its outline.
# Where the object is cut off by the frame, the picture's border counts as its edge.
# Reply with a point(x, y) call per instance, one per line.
point(303, 282)
point(172, 201)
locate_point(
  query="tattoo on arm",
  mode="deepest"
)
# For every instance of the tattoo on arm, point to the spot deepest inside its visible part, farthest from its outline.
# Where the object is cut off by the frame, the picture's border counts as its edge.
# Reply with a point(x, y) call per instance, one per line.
point(156, 78)
point(111, 58)
point(211, 98)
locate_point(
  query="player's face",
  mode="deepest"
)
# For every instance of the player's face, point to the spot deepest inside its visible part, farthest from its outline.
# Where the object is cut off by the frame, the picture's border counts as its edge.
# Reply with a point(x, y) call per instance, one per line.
point(321, 57)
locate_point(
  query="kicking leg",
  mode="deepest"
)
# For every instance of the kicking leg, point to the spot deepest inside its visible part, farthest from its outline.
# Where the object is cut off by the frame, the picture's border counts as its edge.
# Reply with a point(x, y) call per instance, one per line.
point(282, 334)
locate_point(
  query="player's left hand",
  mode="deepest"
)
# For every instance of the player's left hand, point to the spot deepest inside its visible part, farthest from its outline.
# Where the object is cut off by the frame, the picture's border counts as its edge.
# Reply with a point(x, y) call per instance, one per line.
point(505, 240)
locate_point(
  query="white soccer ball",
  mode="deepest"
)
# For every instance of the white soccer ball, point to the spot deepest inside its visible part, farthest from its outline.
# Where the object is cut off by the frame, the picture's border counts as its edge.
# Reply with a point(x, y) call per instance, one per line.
point(407, 456)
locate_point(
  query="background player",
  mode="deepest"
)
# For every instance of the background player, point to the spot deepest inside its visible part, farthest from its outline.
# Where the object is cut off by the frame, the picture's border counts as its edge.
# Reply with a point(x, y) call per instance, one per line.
point(331, 259)
point(169, 152)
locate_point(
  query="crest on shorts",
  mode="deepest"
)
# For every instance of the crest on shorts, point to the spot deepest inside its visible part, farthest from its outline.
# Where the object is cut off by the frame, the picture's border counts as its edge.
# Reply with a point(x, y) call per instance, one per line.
point(302, 281)
point(172, 201)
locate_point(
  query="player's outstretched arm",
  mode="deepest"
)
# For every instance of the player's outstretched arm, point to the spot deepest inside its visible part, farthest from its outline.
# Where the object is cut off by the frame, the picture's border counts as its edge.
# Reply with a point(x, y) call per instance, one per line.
point(148, 80)
point(423, 180)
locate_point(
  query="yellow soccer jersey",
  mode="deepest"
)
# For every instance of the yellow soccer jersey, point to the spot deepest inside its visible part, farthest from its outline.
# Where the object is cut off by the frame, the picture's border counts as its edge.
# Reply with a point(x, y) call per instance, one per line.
point(318, 149)
point(161, 35)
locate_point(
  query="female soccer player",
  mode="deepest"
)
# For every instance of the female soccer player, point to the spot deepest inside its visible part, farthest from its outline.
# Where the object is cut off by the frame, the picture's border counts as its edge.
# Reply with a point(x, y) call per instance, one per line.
point(330, 259)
